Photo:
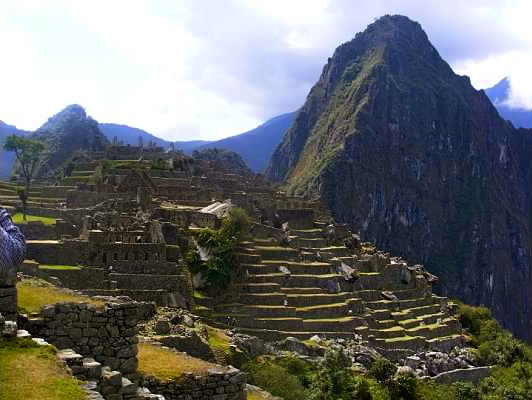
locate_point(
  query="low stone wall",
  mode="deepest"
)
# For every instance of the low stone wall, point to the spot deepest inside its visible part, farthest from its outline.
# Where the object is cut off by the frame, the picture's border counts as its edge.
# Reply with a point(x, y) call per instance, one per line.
point(473, 375)
point(84, 278)
point(217, 385)
point(106, 335)
point(8, 302)
point(60, 252)
point(36, 230)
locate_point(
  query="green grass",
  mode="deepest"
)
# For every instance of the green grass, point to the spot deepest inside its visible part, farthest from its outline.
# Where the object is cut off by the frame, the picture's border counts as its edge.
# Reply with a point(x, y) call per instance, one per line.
point(165, 364)
point(60, 267)
point(35, 293)
point(31, 372)
point(18, 219)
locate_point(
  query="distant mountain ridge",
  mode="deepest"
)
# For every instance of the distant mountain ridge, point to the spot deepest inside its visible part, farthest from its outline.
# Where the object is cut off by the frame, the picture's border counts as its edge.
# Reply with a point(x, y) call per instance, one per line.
point(498, 95)
point(129, 135)
point(7, 157)
point(254, 146)
point(257, 145)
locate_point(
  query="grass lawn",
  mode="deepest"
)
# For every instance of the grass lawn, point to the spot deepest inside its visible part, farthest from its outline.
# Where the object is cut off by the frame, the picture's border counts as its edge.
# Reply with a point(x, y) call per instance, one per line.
point(18, 219)
point(165, 364)
point(252, 395)
point(35, 293)
point(59, 267)
point(31, 372)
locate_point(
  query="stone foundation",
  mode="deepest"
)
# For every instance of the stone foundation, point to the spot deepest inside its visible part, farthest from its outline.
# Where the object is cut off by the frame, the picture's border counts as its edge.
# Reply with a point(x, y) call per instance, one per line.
point(217, 385)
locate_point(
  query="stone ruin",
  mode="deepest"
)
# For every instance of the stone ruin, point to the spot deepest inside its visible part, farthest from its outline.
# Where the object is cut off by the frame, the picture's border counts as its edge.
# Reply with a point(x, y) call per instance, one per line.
point(300, 274)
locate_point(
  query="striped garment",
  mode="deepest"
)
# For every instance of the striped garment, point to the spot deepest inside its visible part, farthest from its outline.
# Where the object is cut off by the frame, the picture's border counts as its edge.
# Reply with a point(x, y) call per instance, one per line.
point(12, 249)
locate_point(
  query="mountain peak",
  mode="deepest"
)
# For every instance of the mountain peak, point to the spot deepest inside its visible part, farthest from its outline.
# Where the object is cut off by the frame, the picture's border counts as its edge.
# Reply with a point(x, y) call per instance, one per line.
point(415, 159)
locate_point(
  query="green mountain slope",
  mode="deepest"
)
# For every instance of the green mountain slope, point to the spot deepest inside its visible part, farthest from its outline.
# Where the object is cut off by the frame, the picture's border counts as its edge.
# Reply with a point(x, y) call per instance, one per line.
point(417, 160)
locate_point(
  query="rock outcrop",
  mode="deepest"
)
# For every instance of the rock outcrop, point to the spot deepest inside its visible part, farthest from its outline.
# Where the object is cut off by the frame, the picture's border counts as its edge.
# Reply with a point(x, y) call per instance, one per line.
point(411, 155)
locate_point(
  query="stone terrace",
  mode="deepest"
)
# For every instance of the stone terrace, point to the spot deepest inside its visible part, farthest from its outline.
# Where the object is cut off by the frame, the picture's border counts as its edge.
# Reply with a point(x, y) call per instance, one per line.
point(302, 289)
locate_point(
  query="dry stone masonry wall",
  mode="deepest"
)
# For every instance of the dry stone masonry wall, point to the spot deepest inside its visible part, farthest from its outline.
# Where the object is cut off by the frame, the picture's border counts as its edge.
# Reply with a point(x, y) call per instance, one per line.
point(106, 335)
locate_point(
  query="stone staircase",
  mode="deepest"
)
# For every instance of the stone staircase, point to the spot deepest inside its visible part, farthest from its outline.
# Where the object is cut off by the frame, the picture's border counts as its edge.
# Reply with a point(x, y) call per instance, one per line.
point(300, 291)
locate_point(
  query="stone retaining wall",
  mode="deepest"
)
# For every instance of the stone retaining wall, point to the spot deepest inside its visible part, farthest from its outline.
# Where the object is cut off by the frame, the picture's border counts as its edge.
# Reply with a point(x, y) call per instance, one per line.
point(8, 302)
point(217, 385)
point(473, 375)
point(106, 335)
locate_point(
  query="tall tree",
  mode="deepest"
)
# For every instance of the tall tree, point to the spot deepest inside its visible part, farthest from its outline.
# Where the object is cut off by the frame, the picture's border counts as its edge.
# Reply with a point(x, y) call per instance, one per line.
point(28, 153)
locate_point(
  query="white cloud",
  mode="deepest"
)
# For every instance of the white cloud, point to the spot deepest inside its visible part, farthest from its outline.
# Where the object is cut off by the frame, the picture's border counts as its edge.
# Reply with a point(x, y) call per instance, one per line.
point(211, 68)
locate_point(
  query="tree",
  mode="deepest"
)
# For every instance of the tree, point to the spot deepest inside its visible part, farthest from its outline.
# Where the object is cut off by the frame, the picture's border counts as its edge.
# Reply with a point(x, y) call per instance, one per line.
point(28, 153)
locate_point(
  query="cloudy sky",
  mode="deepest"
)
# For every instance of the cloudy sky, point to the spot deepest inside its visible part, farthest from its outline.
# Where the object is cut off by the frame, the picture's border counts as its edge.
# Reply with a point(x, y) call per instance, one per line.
point(188, 69)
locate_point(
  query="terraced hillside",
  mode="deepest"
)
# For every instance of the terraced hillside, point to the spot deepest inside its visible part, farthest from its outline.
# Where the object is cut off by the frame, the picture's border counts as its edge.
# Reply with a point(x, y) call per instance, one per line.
point(312, 287)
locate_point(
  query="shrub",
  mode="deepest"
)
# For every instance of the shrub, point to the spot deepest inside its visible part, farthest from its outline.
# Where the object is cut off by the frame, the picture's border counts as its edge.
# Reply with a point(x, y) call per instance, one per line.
point(335, 380)
point(275, 379)
point(466, 391)
point(473, 318)
point(220, 245)
point(404, 387)
point(382, 370)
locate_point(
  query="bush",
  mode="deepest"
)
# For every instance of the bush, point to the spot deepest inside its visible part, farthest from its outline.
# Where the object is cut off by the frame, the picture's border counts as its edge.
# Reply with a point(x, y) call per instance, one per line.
point(466, 391)
point(404, 387)
point(382, 370)
point(220, 245)
point(473, 318)
point(275, 379)
point(335, 380)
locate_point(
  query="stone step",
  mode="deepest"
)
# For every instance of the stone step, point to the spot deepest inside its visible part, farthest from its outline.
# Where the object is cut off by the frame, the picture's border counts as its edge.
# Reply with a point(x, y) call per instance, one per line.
point(334, 310)
point(274, 335)
point(314, 299)
point(273, 299)
point(244, 258)
point(315, 233)
point(312, 268)
point(394, 331)
point(375, 295)
point(295, 280)
point(446, 343)
point(399, 305)
point(335, 251)
point(304, 290)
point(410, 313)
point(269, 242)
point(422, 320)
point(273, 323)
point(269, 267)
point(314, 243)
point(382, 323)
point(430, 331)
point(269, 311)
point(401, 342)
point(277, 253)
point(267, 287)
point(380, 314)
point(345, 324)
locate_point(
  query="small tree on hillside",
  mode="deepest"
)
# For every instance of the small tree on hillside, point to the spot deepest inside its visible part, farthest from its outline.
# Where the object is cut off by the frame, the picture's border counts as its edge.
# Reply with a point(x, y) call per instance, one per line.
point(28, 153)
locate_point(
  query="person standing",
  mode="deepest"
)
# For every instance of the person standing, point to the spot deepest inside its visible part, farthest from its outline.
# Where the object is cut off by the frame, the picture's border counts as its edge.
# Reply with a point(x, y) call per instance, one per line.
point(12, 252)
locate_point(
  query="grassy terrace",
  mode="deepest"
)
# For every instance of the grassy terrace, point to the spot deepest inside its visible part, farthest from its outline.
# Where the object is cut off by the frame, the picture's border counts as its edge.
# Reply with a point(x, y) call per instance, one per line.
point(60, 267)
point(165, 364)
point(18, 219)
point(31, 372)
point(35, 293)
